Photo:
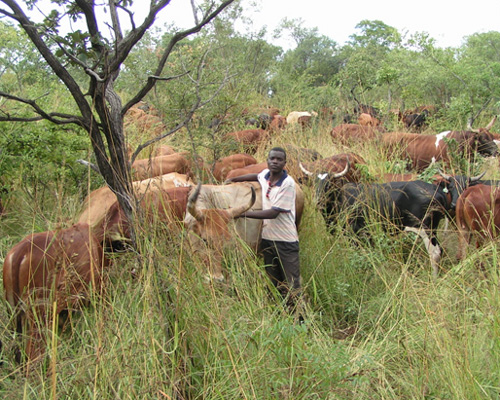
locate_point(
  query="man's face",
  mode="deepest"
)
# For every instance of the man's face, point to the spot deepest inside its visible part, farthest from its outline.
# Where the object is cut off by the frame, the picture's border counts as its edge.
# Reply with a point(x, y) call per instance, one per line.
point(276, 161)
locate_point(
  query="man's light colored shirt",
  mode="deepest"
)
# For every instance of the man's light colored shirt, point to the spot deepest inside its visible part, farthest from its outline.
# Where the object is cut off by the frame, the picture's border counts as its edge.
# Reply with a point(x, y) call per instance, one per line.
point(281, 197)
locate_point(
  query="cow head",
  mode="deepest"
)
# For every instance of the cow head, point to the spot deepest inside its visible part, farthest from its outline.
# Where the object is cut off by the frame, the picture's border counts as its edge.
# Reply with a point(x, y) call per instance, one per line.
point(212, 230)
point(483, 140)
point(485, 145)
point(326, 181)
point(456, 184)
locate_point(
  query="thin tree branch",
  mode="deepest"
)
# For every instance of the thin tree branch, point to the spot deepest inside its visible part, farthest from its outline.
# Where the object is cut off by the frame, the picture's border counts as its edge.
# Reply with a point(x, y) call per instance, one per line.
point(68, 118)
point(173, 41)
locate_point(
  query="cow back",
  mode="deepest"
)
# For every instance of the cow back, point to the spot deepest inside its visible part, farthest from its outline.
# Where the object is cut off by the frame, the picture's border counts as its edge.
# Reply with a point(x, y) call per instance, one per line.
point(98, 204)
point(234, 161)
point(160, 165)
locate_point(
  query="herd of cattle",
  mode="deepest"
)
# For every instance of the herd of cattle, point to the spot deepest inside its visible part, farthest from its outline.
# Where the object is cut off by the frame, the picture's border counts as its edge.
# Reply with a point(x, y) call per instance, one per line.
point(64, 267)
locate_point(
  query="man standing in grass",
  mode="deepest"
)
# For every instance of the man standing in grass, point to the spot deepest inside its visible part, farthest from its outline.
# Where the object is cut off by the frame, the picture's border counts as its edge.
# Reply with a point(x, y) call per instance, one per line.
point(280, 240)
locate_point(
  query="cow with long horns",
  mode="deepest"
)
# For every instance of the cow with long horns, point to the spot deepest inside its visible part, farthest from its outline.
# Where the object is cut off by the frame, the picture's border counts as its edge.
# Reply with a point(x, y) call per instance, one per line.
point(415, 205)
point(212, 210)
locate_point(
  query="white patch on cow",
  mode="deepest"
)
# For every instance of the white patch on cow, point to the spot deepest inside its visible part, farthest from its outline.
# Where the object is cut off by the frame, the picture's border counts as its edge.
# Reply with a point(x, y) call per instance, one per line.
point(322, 176)
point(497, 142)
point(440, 136)
point(433, 250)
point(178, 183)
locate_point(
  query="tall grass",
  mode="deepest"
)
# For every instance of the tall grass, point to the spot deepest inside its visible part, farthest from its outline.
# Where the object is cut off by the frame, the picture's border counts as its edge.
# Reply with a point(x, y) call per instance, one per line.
point(377, 326)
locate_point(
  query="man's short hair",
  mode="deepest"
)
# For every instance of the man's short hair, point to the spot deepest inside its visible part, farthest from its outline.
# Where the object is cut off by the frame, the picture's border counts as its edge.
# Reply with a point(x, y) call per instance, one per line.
point(280, 149)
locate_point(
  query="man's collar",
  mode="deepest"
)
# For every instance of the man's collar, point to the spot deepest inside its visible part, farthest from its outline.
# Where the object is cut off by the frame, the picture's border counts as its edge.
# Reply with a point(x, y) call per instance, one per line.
point(283, 177)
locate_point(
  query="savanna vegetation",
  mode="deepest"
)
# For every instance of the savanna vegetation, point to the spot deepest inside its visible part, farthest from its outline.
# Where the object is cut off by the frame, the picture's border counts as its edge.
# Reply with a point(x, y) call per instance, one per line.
point(377, 325)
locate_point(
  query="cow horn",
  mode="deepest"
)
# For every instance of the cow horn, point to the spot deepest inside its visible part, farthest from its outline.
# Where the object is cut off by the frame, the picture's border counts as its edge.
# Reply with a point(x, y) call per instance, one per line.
point(191, 205)
point(445, 176)
point(305, 171)
point(492, 122)
point(478, 177)
point(237, 211)
point(344, 172)
point(469, 126)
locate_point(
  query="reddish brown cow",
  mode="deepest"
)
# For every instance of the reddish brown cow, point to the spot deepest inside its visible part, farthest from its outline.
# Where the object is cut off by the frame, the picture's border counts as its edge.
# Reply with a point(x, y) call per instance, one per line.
point(423, 150)
point(47, 273)
point(249, 140)
point(249, 169)
point(277, 124)
point(166, 206)
point(223, 166)
point(477, 214)
point(347, 134)
point(295, 155)
point(97, 205)
point(160, 165)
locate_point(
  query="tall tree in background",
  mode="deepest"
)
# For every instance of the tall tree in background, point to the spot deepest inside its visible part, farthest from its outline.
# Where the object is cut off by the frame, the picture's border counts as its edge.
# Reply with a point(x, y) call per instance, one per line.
point(89, 53)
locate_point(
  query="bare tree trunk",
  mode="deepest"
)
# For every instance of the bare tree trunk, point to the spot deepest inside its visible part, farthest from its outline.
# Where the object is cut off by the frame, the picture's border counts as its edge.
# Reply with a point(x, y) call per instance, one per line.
point(116, 169)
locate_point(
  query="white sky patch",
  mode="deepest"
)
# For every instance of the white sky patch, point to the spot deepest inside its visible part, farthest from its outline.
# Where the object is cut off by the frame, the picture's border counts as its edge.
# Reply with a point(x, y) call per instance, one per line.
point(446, 21)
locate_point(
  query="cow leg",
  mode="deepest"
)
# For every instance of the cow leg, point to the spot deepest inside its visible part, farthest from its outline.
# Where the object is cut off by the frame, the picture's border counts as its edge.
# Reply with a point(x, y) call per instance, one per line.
point(215, 266)
point(35, 324)
point(464, 238)
point(432, 248)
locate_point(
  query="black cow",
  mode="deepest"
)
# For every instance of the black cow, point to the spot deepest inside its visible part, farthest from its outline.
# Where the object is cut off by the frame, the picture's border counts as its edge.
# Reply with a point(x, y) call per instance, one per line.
point(416, 205)
point(416, 120)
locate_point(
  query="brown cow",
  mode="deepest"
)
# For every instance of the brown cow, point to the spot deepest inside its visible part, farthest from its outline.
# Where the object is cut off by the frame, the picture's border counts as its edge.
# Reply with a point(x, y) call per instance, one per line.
point(160, 165)
point(97, 205)
point(249, 139)
point(277, 124)
point(347, 134)
point(477, 214)
point(211, 225)
point(210, 220)
point(249, 169)
point(295, 155)
point(166, 207)
point(423, 150)
point(47, 273)
point(223, 166)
